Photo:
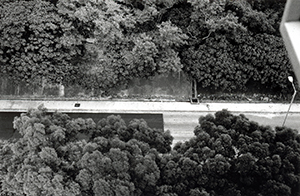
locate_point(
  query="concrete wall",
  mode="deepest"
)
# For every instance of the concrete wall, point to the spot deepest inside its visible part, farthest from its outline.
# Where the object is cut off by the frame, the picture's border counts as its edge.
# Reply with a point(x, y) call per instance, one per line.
point(163, 86)
point(174, 86)
point(9, 88)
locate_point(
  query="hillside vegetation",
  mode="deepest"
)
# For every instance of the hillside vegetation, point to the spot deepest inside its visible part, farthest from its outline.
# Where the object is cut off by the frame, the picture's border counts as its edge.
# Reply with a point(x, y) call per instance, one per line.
point(225, 45)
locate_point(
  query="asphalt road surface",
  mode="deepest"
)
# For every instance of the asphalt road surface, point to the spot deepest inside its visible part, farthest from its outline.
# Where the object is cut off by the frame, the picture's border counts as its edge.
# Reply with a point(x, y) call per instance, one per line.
point(182, 124)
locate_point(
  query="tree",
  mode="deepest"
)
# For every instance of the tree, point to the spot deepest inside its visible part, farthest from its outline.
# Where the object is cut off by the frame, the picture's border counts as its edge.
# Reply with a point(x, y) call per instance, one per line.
point(37, 43)
point(229, 155)
point(238, 157)
point(119, 47)
point(57, 155)
point(137, 129)
point(230, 47)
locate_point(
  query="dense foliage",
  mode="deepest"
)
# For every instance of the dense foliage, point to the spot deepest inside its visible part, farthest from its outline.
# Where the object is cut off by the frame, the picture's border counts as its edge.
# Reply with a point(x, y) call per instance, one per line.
point(236, 46)
point(57, 155)
point(226, 45)
point(36, 43)
point(229, 155)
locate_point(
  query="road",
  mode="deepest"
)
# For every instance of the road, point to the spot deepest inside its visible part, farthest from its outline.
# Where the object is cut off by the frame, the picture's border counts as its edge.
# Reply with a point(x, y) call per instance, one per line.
point(182, 124)
point(179, 117)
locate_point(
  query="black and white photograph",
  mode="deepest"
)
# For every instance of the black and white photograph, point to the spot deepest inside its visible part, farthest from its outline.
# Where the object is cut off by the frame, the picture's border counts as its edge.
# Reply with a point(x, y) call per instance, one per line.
point(149, 97)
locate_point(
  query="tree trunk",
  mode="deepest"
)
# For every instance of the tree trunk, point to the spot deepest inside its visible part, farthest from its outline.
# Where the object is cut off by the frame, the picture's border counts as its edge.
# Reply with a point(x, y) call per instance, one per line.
point(195, 89)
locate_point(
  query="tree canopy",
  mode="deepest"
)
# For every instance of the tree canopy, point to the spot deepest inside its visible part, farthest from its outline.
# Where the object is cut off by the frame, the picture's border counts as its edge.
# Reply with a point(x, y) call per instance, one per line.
point(227, 46)
point(229, 155)
point(36, 42)
point(236, 46)
point(57, 155)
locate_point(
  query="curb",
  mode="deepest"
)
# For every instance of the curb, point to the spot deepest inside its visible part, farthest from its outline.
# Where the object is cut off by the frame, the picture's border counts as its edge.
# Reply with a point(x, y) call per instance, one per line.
point(143, 106)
